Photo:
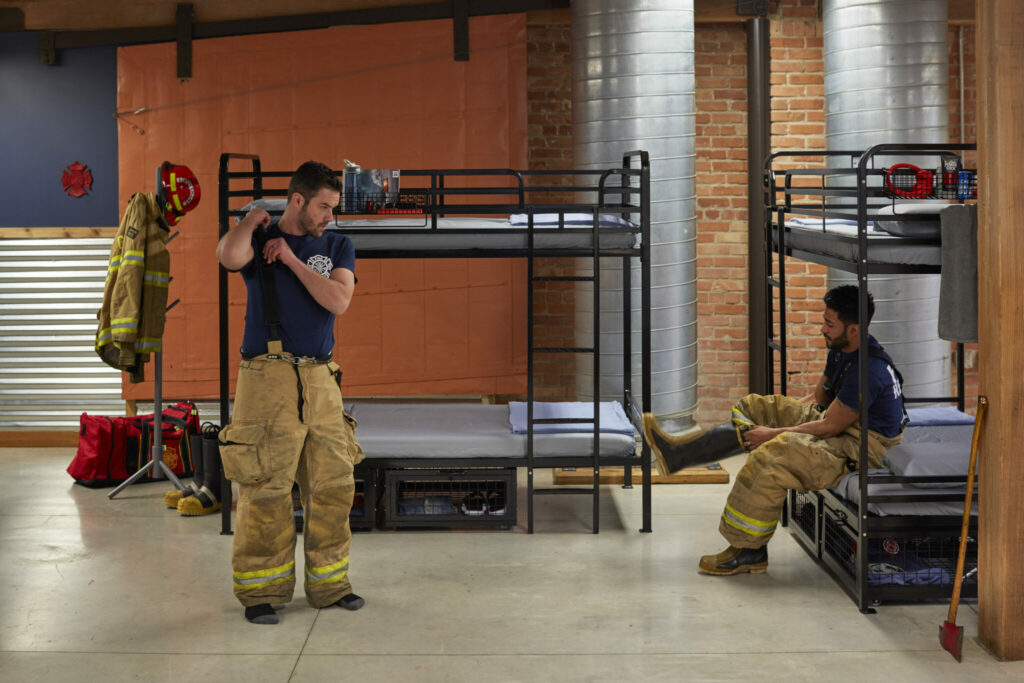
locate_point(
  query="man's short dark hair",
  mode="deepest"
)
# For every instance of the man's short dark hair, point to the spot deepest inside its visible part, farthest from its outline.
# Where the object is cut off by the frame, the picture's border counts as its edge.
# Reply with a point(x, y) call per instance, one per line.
point(844, 301)
point(312, 177)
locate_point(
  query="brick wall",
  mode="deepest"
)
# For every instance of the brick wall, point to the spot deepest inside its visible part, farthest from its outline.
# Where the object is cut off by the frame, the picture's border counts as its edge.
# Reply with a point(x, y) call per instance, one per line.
point(549, 133)
point(722, 301)
point(797, 122)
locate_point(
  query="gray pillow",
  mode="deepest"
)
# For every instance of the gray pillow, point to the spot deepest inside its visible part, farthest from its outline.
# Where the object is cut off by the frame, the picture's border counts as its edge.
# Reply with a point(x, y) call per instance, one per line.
point(927, 226)
point(925, 459)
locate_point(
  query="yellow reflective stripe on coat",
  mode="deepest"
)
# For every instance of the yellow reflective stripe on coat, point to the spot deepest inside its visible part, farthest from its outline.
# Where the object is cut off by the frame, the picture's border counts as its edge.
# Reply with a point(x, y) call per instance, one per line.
point(124, 324)
point(748, 525)
point(329, 574)
point(133, 258)
point(156, 278)
point(146, 344)
point(264, 577)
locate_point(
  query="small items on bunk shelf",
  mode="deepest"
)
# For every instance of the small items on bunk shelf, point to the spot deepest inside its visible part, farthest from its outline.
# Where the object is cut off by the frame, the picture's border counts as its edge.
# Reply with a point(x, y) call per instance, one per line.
point(431, 497)
point(948, 181)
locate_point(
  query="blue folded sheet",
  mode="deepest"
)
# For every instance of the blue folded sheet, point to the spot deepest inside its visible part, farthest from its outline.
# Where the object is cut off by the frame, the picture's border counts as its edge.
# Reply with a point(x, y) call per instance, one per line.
point(942, 415)
point(613, 418)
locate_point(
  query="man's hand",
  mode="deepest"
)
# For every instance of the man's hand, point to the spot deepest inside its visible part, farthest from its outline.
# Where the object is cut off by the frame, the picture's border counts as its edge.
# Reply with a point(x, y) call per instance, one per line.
point(755, 436)
point(278, 250)
point(256, 219)
point(234, 249)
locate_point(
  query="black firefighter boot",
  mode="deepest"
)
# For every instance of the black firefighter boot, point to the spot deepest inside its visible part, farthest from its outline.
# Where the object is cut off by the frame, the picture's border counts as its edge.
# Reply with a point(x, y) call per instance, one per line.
point(674, 453)
point(207, 498)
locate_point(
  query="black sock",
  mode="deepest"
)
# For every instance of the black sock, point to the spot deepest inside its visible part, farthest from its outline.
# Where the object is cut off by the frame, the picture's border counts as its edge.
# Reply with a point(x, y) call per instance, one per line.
point(261, 614)
point(350, 602)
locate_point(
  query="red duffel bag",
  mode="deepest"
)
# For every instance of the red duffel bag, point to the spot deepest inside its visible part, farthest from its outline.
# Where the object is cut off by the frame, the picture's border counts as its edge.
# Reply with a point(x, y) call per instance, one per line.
point(111, 449)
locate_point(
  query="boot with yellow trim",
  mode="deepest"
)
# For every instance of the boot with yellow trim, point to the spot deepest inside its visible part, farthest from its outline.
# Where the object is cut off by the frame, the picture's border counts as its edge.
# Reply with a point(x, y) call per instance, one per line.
point(674, 453)
point(206, 499)
point(172, 497)
point(734, 560)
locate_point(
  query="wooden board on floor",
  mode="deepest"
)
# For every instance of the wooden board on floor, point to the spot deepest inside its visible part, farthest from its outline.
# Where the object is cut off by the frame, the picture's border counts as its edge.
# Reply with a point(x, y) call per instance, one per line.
point(38, 439)
point(708, 474)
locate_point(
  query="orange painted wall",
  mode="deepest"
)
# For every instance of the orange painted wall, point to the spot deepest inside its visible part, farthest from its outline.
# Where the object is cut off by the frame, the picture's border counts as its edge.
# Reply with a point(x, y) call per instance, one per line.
point(384, 96)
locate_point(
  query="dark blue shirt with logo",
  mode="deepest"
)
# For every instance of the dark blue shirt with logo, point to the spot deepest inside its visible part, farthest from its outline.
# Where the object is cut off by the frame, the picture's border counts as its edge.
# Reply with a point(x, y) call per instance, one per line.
point(842, 375)
point(307, 328)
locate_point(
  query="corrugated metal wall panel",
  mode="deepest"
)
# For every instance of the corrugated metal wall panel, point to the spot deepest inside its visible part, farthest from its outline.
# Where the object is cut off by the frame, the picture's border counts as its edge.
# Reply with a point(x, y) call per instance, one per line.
point(50, 290)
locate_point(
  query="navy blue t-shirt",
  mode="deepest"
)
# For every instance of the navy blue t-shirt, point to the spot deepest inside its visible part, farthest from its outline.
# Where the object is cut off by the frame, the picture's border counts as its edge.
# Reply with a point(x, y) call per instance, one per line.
point(885, 411)
point(307, 328)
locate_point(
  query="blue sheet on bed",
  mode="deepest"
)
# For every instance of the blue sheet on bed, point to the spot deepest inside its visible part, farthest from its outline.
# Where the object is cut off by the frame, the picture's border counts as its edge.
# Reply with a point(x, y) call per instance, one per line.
point(942, 415)
point(613, 418)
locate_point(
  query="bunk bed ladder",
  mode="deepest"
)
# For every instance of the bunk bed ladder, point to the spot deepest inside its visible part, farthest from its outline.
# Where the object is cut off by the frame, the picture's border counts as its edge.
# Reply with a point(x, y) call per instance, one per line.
point(531, 350)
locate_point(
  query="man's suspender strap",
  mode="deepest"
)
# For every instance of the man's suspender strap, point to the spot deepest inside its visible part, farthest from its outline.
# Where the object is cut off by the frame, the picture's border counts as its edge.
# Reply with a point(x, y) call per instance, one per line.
point(271, 311)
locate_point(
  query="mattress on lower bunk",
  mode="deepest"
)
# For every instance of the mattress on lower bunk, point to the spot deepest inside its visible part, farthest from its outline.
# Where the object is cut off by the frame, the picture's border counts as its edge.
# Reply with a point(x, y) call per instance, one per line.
point(936, 443)
point(838, 239)
point(466, 430)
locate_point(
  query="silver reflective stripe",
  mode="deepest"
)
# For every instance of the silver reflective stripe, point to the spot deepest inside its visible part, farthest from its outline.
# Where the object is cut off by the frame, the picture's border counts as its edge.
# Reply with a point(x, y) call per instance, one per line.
point(748, 525)
point(328, 574)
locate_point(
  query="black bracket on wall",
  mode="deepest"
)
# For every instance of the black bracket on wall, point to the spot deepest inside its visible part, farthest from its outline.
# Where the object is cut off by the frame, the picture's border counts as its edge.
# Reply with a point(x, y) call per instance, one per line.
point(47, 48)
point(185, 15)
point(460, 29)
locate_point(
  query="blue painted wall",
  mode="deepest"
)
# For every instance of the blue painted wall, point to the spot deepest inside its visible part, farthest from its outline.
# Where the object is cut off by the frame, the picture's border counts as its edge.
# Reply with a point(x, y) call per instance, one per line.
point(50, 117)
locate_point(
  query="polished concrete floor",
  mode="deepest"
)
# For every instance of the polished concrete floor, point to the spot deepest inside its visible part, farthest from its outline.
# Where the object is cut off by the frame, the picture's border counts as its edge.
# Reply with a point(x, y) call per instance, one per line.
point(125, 589)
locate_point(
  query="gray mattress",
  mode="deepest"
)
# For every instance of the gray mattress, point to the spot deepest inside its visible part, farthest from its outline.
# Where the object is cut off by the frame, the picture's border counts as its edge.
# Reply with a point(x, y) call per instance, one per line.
point(849, 487)
point(840, 241)
point(413, 234)
point(465, 430)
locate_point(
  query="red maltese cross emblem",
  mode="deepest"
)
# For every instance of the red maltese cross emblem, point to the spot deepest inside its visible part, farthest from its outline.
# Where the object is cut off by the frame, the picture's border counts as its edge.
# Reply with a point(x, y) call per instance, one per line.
point(76, 179)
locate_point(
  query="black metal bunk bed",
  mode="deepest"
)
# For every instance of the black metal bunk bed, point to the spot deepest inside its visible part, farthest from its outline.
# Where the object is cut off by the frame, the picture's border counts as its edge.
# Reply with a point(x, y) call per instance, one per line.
point(867, 532)
point(469, 213)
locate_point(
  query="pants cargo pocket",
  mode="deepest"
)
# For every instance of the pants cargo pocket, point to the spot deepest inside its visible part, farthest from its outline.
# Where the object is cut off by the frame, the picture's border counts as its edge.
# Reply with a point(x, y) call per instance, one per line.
point(355, 450)
point(243, 452)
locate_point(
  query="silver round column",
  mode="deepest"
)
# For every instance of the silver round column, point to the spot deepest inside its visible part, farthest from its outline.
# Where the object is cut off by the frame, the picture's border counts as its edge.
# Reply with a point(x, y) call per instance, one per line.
point(634, 88)
point(887, 80)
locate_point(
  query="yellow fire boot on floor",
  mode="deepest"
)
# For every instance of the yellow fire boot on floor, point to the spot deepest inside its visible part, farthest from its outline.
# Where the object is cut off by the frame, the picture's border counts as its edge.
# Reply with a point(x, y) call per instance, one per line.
point(202, 502)
point(172, 497)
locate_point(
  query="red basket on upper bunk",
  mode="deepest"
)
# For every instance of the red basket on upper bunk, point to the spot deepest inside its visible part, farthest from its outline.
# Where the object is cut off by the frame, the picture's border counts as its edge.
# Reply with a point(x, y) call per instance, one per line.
point(906, 181)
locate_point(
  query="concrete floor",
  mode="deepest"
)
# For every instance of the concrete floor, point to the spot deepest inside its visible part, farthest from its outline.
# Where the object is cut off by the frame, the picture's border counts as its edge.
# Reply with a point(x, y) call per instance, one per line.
point(101, 590)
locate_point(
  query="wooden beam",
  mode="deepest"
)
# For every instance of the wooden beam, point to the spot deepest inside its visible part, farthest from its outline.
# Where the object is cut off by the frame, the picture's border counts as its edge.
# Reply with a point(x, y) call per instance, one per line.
point(1000, 83)
point(55, 232)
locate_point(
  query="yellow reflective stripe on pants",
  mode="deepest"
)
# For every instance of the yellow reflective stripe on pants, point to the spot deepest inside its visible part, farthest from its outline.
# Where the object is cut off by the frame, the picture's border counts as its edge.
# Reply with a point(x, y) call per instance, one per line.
point(748, 525)
point(265, 577)
point(329, 574)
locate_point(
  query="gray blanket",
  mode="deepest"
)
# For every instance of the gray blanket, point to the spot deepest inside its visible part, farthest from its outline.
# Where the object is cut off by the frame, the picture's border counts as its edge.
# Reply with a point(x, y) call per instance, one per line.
point(958, 289)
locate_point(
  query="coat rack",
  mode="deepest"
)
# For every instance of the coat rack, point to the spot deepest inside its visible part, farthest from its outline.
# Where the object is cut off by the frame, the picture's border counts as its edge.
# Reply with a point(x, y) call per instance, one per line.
point(156, 461)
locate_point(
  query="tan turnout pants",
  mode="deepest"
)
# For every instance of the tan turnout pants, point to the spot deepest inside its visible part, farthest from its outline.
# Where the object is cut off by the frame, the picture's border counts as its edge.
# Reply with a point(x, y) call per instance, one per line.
point(289, 425)
point(789, 461)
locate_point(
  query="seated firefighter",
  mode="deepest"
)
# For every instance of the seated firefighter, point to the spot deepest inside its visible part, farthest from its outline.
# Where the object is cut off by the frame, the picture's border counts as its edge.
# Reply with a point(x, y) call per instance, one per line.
point(806, 444)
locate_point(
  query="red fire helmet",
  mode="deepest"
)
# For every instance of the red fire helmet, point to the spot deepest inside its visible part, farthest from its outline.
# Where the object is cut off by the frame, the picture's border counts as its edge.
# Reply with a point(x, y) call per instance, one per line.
point(178, 191)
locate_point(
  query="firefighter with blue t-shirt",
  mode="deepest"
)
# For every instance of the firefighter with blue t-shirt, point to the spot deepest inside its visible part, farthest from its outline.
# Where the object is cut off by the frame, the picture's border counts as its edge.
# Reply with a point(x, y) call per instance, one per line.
point(288, 423)
point(804, 444)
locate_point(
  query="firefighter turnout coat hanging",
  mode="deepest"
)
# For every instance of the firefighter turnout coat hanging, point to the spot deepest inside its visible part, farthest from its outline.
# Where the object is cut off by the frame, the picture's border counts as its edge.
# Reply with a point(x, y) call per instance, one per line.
point(131, 320)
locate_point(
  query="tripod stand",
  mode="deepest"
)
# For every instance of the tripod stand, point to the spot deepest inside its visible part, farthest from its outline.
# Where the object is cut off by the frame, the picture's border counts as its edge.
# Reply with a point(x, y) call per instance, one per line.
point(156, 461)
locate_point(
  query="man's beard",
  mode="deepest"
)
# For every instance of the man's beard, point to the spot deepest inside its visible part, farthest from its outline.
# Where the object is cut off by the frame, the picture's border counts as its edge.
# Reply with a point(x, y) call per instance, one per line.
point(308, 226)
point(839, 343)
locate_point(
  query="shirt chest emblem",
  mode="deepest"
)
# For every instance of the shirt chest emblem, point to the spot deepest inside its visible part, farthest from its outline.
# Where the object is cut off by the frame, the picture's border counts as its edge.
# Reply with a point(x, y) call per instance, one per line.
point(321, 264)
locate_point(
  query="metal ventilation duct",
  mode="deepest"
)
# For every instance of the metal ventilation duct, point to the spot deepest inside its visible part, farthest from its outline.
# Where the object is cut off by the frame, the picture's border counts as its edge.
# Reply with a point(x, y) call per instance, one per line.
point(634, 88)
point(887, 80)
